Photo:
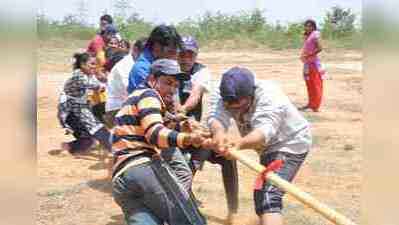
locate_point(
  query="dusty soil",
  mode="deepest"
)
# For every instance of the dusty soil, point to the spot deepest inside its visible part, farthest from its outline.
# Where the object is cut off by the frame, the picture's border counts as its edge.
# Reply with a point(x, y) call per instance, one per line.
point(73, 190)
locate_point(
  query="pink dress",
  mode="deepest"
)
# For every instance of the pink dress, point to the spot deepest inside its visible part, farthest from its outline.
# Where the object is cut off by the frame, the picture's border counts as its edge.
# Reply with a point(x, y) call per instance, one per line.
point(313, 72)
point(309, 46)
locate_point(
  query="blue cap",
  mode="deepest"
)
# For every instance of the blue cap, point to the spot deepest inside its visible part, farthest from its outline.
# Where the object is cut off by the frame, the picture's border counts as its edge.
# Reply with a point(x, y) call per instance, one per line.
point(237, 82)
point(190, 44)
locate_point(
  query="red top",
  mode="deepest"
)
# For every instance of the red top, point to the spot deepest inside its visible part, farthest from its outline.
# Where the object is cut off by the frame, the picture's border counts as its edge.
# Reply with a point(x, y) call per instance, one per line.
point(96, 45)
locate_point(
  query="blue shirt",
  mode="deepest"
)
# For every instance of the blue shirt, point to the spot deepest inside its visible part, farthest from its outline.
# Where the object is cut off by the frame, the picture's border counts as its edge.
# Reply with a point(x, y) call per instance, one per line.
point(140, 70)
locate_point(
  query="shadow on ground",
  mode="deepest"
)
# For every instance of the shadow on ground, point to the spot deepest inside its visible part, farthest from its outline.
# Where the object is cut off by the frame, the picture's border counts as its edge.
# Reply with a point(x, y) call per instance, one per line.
point(117, 220)
point(103, 185)
point(215, 219)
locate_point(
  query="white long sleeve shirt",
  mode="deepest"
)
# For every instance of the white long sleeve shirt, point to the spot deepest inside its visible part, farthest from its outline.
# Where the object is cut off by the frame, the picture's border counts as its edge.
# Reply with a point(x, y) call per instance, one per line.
point(117, 83)
point(283, 126)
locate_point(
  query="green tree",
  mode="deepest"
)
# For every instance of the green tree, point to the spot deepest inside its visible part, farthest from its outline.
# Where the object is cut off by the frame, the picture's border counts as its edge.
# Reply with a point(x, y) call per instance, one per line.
point(339, 22)
point(82, 12)
point(71, 19)
point(257, 20)
point(133, 26)
point(122, 8)
point(42, 26)
point(295, 34)
point(134, 18)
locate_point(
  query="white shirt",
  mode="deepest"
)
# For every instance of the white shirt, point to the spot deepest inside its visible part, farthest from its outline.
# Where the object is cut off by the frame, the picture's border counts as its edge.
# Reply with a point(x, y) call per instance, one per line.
point(283, 126)
point(117, 83)
point(203, 78)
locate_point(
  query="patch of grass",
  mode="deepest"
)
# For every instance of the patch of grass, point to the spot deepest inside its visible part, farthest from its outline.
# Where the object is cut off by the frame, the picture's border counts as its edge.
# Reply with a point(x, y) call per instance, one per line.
point(54, 193)
point(245, 29)
point(69, 32)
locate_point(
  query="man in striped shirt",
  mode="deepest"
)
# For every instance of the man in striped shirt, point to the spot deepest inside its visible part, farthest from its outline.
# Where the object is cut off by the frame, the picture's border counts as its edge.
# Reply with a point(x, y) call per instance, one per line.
point(139, 135)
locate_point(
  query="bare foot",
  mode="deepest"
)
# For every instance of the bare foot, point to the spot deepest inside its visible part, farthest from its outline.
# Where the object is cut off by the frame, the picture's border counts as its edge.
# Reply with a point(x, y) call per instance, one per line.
point(233, 219)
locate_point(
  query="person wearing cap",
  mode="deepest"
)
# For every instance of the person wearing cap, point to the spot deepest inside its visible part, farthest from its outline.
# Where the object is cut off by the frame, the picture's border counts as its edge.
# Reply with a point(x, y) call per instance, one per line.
point(268, 123)
point(192, 90)
point(144, 148)
point(163, 42)
point(190, 95)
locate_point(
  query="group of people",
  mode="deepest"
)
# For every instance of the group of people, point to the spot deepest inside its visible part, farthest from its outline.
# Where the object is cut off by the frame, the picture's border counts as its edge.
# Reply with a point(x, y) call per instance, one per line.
point(145, 105)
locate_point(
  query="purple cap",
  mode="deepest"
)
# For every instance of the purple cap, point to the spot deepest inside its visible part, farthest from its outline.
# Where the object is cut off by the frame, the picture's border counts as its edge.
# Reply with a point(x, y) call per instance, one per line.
point(237, 82)
point(190, 44)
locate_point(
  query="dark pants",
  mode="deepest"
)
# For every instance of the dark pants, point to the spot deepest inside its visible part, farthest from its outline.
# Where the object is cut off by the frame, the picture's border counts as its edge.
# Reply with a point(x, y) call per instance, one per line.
point(269, 198)
point(84, 140)
point(99, 111)
point(81, 144)
point(109, 118)
point(144, 197)
point(229, 173)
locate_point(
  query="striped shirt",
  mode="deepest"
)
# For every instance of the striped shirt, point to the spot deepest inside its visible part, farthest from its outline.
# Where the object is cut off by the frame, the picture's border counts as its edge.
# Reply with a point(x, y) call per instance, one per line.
point(140, 126)
point(78, 86)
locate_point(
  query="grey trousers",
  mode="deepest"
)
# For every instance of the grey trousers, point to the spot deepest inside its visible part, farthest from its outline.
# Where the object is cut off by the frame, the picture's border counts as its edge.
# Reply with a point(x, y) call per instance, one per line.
point(270, 198)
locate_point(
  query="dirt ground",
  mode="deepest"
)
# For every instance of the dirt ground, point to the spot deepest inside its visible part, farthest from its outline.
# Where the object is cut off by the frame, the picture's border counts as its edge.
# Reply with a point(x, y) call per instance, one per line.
point(72, 190)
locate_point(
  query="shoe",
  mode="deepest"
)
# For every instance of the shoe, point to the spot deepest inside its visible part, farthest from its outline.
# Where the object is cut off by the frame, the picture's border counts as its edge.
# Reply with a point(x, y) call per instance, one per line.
point(67, 147)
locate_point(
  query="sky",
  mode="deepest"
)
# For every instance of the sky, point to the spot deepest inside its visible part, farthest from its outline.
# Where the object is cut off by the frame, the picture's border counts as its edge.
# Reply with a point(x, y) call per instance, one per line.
point(173, 11)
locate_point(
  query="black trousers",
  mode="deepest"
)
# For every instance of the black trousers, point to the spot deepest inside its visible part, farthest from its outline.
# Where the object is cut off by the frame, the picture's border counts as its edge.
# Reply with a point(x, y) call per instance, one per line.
point(229, 173)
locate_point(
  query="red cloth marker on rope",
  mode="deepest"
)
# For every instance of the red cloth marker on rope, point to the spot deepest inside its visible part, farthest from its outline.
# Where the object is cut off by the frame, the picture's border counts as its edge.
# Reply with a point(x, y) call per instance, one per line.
point(261, 179)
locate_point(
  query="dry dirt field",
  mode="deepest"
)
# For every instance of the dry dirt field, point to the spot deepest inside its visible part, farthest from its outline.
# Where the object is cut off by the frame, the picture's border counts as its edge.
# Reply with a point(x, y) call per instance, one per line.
point(74, 190)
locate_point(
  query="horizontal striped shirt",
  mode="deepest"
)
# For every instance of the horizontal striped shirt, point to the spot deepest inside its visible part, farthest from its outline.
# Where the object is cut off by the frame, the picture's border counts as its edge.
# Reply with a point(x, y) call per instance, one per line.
point(140, 125)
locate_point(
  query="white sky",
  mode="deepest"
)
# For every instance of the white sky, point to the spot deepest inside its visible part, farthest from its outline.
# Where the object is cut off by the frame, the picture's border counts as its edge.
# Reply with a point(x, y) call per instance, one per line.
point(172, 11)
